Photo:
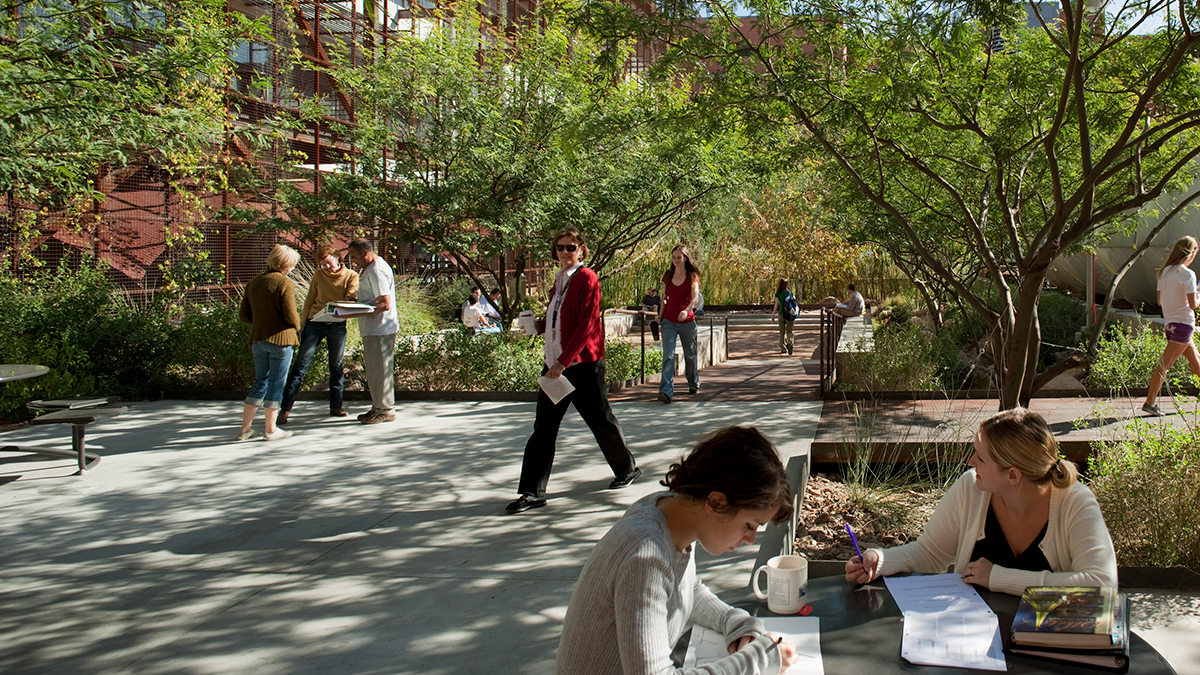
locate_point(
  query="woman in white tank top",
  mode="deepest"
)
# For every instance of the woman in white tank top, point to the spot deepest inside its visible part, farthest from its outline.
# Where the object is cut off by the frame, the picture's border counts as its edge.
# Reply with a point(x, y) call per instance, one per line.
point(1177, 296)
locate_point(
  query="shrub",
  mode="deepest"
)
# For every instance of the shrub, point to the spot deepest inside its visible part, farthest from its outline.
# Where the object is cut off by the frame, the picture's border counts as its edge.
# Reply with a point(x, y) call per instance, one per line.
point(1126, 360)
point(1148, 486)
point(456, 360)
point(214, 348)
point(93, 339)
point(623, 360)
point(904, 357)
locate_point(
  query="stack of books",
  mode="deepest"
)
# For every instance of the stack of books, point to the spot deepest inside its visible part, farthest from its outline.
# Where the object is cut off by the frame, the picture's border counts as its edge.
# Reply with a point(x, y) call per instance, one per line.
point(1085, 625)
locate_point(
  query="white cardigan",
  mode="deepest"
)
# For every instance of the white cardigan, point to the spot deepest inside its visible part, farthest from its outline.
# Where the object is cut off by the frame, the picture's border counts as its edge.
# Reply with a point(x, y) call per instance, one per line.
point(1076, 545)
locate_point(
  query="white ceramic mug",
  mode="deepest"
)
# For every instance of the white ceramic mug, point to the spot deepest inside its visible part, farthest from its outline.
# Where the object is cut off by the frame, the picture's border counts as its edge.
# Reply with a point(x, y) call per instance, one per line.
point(787, 583)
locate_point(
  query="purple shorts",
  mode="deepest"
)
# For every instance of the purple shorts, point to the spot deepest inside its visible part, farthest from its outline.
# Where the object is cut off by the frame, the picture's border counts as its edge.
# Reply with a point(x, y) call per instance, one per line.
point(1179, 332)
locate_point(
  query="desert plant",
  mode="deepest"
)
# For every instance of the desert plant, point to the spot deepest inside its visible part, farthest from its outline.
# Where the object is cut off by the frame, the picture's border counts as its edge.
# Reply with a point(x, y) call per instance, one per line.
point(1125, 359)
point(1148, 486)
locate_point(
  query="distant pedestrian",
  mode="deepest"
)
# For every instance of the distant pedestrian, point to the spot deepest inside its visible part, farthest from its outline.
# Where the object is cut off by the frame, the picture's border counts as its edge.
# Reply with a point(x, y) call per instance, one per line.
point(575, 350)
point(1177, 296)
point(269, 306)
point(377, 287)
point(784, 301)
point(332, 282)
point(681, 283)
point(651, 303)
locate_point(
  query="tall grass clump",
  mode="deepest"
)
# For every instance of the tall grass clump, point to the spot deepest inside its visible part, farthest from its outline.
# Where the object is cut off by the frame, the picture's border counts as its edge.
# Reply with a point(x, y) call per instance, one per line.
point(456, 360)
point(890, 488)
point(1148, 487)
point(1125, 359)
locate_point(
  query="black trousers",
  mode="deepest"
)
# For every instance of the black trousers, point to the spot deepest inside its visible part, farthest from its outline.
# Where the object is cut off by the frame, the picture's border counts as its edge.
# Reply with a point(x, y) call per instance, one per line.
point(591, 400)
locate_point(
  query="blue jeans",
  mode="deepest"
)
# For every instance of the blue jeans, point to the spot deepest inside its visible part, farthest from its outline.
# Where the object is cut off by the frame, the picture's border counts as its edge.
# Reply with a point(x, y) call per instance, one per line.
point(334, 334)
point(270, 370)
point(687, 337)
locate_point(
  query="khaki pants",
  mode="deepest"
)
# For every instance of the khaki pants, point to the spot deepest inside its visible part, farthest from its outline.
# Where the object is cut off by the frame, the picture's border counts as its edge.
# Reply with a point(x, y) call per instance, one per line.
point(785, 334)
point(379, 353)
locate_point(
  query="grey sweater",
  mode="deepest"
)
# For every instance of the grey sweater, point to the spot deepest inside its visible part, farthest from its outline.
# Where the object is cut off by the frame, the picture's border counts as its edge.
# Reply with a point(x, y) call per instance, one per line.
point(637, 595)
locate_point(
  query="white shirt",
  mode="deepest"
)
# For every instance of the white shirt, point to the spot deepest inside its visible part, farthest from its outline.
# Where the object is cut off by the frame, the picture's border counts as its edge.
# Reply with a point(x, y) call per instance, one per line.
point(377, 280)
point(472, 316)
point(486, 306)
point(554, 347)
point(1174, 284)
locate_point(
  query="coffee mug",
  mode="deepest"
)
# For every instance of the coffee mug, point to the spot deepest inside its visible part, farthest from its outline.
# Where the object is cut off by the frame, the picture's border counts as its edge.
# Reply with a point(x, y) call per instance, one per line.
point(787, 583)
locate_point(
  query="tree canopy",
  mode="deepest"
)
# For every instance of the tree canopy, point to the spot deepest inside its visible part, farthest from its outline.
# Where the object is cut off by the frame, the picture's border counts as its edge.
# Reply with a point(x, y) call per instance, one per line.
point(977, 142)
point(478, 144)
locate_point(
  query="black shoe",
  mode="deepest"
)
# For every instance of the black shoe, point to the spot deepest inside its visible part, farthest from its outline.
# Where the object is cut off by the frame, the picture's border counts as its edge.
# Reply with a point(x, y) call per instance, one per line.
point(789, 350)
point(664, 398)
point(338, 412)
point(283, 417)
point(524, 503)
point(693, 390)
point(619, 483)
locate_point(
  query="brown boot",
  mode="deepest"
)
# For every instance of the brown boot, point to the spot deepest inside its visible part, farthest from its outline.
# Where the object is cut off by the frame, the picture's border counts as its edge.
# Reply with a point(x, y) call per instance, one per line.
point(338, 412)
point(283, 417)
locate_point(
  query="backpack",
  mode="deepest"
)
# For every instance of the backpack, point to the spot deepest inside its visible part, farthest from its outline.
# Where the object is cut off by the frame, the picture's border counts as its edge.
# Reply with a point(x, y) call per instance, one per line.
point(789, 309)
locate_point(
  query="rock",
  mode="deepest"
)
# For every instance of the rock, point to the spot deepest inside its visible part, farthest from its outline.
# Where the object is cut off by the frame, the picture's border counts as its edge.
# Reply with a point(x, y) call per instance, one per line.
point(823, 518)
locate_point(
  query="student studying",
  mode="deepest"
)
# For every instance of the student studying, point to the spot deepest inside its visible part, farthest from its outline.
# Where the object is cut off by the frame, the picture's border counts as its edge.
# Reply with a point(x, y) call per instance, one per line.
point(638, 592)
point(1019, 517)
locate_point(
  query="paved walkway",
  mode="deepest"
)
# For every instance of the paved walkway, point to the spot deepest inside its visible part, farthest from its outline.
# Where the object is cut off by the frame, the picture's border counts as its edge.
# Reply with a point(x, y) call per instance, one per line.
point(352, 549)
point(344, 549)
point(755, 371)
point(900, 427)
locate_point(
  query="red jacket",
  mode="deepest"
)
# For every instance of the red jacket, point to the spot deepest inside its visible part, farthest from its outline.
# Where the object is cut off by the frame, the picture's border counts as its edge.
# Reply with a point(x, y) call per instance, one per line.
point(582, 325)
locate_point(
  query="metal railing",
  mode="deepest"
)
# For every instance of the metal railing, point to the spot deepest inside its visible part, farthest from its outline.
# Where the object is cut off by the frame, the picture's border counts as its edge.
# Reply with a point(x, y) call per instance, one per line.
point(831, 332)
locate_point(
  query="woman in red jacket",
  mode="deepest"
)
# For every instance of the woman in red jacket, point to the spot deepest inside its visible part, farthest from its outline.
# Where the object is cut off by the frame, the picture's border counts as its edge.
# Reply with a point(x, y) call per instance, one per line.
point(574, 350)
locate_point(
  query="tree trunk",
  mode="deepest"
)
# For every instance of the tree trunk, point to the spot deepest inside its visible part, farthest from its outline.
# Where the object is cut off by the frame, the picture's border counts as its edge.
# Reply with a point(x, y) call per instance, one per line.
point(1023, 346)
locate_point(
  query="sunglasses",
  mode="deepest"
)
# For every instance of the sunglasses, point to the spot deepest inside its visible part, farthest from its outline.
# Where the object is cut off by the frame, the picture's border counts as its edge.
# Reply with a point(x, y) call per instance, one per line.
point(569, 248)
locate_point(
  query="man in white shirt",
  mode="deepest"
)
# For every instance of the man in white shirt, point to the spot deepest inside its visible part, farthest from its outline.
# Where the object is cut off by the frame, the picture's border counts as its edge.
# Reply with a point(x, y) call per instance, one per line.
point(474, 318)
point(377, 287)
point(487, 305)
point(853, 306)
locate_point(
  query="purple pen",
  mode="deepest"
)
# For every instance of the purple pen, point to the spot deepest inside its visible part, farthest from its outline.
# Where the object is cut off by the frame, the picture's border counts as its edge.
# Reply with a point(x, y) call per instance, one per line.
point(854, 540)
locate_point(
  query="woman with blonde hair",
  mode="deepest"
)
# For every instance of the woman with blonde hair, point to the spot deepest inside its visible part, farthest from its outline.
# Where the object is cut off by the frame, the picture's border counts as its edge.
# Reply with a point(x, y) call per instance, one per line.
point(269, 306)
point(1019, 517)
point(1177, 296)
point(681, 293)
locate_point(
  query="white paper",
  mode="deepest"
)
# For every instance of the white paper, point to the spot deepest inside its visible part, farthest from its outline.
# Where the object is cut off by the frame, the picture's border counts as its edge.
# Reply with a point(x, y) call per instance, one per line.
point(946, 623)
point(344, 309)
point(804, 632)
point(326, 316)
point(527, 322)
point(556, 388)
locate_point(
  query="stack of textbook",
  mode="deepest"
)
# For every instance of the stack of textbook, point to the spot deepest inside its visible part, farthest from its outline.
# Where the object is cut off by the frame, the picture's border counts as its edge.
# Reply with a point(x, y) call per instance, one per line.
point(1086, 625)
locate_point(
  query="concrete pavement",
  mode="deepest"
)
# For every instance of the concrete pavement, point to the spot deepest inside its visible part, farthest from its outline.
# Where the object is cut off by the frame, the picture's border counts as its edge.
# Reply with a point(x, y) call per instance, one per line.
point(347, 548)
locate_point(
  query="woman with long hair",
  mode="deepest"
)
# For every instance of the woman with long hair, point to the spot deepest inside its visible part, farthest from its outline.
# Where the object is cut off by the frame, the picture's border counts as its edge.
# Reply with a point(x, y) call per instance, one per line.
point(331, 282)
point(1177, 296)
point(681, 292)
point(269, 306)
point(574, 349)
point(638, 591)
point(786, 322)
point(1018, 517)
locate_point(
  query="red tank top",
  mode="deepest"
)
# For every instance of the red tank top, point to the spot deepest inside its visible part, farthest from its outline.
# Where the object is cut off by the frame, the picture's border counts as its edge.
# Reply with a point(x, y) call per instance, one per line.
point(677, 298)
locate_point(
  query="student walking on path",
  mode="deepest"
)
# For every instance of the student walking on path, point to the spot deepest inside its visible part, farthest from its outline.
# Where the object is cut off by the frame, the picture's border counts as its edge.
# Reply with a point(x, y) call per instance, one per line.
point(785, 305)
point(1177, 296)
point(269, 306)
point(332, 282)
point(681, 288)
point(574, 350)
